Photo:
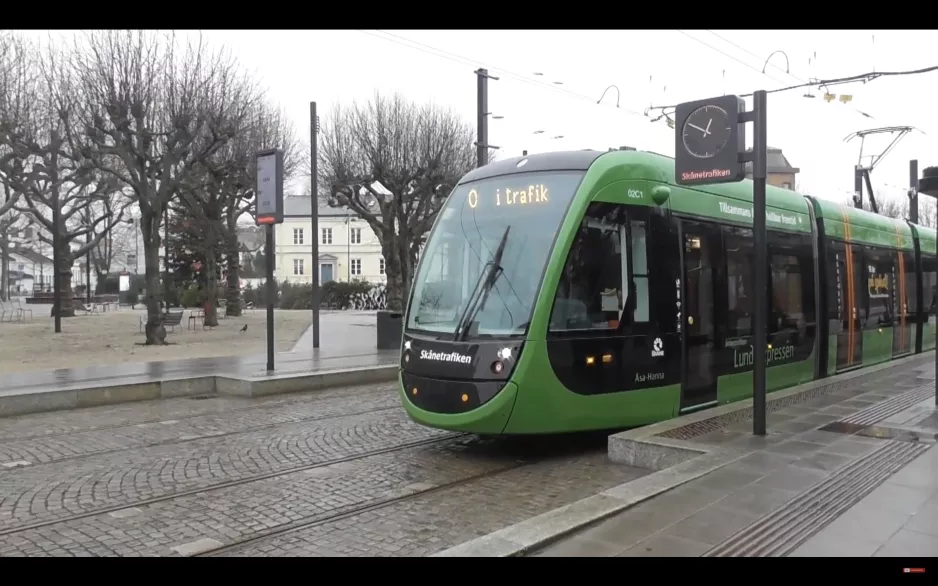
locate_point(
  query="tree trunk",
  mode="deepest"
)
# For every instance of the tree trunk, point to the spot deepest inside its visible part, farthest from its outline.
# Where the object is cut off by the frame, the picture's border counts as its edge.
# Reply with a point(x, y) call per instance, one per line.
point(233, 290)
point(64, 274)
point(149, 226)
point(211, 287)
point(394, 272)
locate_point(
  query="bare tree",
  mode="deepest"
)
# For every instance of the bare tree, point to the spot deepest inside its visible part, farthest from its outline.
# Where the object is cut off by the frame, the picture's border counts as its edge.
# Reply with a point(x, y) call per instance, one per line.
point(118, 240)
point(222, 191)
point(156, 109)
point(57, 185)
point(393, 162)
point(900, 208)
point(16, 93)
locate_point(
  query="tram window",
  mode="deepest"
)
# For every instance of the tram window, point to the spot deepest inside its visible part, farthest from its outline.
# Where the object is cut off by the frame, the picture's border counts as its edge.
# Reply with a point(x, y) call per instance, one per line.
point(791, 283)
point(929, 294)
point(879, 288)
point(590, 295)
point(739, 277)
point(640, 270)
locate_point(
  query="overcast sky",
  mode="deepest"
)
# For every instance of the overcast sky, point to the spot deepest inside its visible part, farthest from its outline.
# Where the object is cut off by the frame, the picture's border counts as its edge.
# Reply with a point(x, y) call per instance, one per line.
point(649, 67)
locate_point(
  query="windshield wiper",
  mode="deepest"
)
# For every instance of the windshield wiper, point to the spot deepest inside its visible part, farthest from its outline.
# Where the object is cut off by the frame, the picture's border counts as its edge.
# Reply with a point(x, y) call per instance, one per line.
point(488, 276)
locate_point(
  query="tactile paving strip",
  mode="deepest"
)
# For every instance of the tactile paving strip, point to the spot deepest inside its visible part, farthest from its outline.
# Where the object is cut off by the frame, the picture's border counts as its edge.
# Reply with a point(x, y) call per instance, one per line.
point(787, 527)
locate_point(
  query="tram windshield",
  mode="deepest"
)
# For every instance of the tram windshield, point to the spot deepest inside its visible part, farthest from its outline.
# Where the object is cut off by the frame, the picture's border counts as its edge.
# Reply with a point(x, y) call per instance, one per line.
point(521, 212)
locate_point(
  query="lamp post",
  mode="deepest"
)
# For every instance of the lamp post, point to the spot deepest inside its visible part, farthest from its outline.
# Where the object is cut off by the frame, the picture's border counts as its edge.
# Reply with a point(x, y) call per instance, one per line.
point(928, 185)
point(88, 266)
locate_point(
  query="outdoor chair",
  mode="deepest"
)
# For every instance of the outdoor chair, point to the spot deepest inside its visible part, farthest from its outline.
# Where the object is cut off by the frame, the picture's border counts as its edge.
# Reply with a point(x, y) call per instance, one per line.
point(23, 310)
point(8, 312)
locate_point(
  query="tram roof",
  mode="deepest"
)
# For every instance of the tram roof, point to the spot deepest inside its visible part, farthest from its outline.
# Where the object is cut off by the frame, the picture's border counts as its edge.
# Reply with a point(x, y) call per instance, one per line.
point(865, 227)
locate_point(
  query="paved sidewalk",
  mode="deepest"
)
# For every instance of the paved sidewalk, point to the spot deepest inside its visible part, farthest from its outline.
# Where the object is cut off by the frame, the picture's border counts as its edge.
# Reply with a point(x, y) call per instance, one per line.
point(347, 340)
point(850, 473)
point(898, 519)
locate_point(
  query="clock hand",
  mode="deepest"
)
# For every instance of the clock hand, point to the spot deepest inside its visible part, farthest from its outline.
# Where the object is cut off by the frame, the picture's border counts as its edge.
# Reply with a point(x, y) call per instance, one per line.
point(707, 131)
point(695, 127)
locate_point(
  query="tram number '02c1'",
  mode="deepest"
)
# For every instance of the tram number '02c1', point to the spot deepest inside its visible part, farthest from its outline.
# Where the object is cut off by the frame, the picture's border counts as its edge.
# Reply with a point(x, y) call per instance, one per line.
point(531, 194)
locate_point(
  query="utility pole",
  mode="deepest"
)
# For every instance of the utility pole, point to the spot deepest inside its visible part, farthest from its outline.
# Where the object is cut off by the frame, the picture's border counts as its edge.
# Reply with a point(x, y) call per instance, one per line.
point(482, 113)
point(913, 191)
point(760, 340)
point(314, 212)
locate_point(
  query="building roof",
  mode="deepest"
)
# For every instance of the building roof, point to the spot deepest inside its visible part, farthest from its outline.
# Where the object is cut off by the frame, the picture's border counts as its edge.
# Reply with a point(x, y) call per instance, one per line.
point(298, 206)
point(776, 162)
point(31, 255)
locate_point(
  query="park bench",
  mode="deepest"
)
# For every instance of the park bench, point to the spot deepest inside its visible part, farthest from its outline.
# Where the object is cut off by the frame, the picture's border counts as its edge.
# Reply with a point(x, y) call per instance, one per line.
point(171, 319)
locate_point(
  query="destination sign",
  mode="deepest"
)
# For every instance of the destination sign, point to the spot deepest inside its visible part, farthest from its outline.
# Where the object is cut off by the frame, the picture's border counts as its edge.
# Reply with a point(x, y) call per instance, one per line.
point(536, 194)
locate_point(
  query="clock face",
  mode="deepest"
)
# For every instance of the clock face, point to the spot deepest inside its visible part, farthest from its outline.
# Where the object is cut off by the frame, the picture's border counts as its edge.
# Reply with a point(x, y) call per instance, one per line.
point(706, 131)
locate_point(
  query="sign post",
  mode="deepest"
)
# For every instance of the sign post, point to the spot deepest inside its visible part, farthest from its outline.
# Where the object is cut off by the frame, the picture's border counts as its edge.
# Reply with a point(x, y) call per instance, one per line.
point(268, 212)
point(928, 185)
point(710, 147)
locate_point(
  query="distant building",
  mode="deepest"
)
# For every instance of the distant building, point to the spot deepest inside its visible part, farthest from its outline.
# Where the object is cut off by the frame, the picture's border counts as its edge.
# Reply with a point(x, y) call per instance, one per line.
point(779, 171)
point(29, 270)
point(348, 247)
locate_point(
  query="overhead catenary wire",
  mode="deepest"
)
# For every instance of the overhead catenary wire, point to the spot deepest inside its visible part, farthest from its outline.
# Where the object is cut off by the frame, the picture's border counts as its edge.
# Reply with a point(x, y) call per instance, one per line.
point(786, 71)
point(463, 60)
point(475, 62)
point(864, 77)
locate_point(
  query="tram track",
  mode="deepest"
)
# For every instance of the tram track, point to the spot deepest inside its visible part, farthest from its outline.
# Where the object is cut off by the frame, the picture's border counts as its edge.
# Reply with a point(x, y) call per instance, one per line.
point(233, 483)
point(203, 436)
point(354, 510)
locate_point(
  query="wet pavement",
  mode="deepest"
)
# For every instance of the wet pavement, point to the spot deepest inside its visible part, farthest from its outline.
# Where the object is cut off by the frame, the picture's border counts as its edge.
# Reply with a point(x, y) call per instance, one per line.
point(852, 473)
point(347, 340)
point(336, 472)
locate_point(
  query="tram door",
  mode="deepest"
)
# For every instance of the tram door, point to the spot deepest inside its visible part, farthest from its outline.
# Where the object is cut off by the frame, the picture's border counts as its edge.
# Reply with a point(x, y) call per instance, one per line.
point(903, 322)
point(848, 272)
point(701, 246)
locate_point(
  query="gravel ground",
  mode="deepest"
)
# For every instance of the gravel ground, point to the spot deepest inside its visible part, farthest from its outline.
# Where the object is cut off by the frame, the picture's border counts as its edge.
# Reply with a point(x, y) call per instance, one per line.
point(114, 338)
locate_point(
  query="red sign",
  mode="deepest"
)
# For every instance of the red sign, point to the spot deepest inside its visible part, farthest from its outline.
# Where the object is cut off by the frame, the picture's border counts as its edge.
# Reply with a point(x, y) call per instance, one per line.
point(266, 220)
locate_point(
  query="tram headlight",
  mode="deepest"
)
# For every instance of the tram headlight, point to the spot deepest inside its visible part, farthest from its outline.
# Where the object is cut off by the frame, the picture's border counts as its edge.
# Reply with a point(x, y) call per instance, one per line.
point(497, 367)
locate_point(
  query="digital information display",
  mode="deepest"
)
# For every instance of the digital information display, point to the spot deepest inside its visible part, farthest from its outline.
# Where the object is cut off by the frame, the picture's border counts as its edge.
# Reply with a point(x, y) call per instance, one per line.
point(269, 190)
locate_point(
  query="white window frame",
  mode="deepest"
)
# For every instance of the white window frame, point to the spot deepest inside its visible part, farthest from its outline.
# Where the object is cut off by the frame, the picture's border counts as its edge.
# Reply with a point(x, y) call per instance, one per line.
point(352, 267)
point(299, 266)
point(325, 236)
point(381, 266)
point(355, 235)
point(298, 236)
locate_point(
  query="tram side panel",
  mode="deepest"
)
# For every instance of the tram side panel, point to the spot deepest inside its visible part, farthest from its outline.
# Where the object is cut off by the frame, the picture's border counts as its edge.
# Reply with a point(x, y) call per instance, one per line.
point(792, 315)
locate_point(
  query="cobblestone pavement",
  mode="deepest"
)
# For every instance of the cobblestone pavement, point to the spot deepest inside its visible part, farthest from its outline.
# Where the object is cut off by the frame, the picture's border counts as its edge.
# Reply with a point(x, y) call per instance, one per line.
point(339, 472)
point(127, 414)
point(168, 429)
point(441, 519)
point(63, 488)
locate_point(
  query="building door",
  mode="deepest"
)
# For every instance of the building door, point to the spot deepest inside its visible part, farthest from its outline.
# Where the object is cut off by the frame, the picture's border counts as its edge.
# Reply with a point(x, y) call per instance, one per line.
point(325, 273)
point(701, 250)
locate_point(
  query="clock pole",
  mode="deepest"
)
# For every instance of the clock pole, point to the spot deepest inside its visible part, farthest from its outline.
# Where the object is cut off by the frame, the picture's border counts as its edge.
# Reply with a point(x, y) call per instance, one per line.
point(760, 344)
point(710, 147)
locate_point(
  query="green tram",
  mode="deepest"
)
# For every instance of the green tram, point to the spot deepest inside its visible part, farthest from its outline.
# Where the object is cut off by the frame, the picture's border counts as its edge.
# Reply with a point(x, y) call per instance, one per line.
point(585, 290)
